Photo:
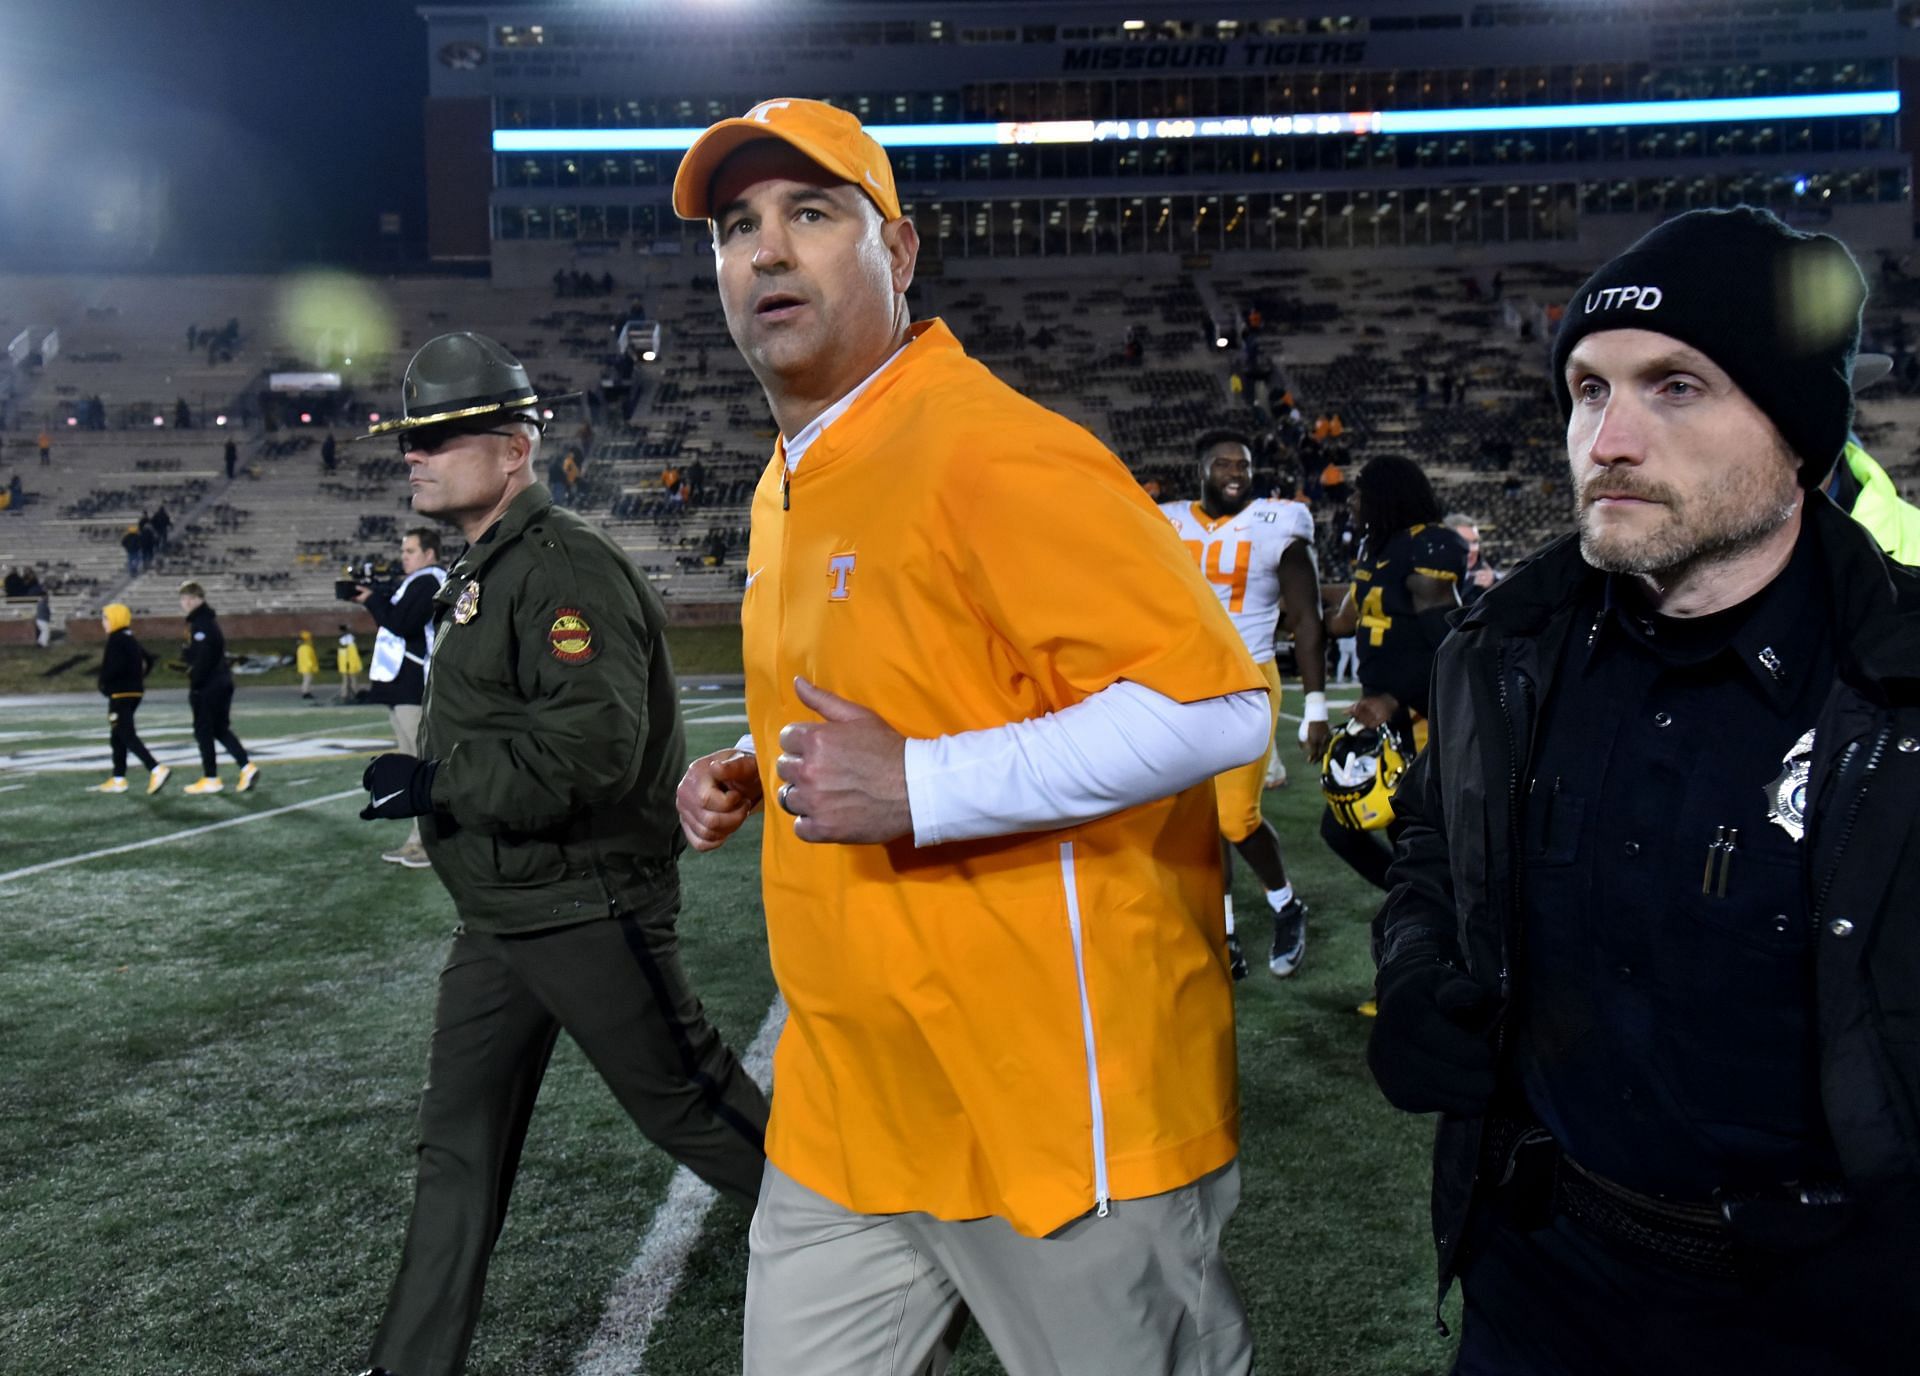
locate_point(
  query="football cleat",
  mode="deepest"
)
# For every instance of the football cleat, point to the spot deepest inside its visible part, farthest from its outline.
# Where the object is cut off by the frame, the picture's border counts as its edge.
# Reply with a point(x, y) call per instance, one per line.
point(1236, 958)
point(207, 784)
point(114, 785)
point(1289, 939)
point(247, 775)
point(1276, 771)
point(157, 777)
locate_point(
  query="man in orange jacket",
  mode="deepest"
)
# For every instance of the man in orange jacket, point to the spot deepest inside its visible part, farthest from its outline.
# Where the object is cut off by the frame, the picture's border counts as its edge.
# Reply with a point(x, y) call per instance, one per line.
point(987, 687)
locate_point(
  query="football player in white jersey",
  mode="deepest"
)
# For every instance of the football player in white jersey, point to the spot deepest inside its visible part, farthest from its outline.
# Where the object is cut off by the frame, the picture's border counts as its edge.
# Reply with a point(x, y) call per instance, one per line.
point(1258, 556)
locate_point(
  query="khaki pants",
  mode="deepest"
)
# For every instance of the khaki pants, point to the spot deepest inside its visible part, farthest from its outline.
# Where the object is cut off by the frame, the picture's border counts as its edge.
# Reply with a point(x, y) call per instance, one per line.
point(406, 739)
point(1141, 1292)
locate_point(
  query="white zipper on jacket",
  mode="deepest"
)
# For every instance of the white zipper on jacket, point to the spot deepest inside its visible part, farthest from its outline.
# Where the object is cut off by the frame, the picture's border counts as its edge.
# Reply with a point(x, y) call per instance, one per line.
point(1086, 1032)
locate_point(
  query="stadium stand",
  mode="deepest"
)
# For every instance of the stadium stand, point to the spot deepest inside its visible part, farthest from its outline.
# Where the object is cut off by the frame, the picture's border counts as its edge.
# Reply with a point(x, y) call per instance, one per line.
point(1351, 340)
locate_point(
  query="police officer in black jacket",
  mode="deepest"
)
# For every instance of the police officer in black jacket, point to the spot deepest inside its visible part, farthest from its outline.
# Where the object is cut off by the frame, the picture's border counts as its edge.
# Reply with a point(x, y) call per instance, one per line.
point(210, 694)
point(1652, 947)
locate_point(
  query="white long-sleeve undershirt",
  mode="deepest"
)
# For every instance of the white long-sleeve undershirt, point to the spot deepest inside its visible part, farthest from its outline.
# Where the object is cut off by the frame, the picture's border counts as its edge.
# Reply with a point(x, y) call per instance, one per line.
point(1122, 746)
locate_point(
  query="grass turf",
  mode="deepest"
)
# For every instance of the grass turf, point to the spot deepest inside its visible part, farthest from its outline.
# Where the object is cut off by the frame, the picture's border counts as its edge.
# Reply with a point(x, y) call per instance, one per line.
point(214, 1045)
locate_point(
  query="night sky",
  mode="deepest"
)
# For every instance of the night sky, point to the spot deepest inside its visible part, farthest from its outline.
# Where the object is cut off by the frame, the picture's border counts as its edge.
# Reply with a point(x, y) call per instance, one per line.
point(209, 134)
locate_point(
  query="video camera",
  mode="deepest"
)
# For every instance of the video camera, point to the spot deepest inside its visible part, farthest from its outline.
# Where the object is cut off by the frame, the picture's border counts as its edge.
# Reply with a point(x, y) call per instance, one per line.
point(365, 573)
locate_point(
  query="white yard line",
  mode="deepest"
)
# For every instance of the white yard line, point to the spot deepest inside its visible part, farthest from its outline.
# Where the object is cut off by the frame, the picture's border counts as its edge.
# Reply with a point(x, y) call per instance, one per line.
point(171, 836)
point(640, 1297)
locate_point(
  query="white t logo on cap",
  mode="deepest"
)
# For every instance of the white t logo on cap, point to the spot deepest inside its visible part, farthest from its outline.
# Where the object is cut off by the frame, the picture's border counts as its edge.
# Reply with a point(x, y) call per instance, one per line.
point(765, 108)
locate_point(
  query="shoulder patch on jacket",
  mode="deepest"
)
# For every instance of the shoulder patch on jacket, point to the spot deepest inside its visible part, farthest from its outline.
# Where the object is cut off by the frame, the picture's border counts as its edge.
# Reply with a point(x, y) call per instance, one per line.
point(570, 637)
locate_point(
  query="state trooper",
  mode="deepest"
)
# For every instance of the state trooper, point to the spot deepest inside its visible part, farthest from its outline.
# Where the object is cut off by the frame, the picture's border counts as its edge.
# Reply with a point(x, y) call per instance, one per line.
point(550, 746)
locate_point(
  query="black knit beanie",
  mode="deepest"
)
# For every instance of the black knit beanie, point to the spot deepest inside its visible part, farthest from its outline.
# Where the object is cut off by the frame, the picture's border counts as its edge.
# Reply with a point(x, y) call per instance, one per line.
point(1778, 309)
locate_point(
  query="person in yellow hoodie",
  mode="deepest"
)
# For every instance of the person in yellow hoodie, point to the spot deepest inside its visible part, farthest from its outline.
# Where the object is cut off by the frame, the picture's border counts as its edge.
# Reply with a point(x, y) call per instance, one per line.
point(306, 660)
point(123, 682)
point(987, 689)
point(346, 660)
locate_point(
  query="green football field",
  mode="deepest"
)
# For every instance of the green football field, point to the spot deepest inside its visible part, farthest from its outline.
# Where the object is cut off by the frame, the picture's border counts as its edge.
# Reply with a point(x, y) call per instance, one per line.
point(214, 1015)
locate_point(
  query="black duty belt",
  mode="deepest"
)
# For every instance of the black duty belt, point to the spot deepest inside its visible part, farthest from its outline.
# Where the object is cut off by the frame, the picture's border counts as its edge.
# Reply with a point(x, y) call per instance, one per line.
point(1726, 1237)
point(1691, 1237)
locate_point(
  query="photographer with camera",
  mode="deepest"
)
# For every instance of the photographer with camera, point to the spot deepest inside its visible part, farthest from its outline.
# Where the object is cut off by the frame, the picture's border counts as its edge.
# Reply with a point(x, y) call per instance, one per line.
point(398, 674)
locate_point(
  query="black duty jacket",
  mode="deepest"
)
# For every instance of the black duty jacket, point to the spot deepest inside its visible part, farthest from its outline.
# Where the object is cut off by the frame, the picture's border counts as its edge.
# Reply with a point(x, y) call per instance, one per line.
point(553, 712)
point(206, 652)
point(123, 667)
point(1455, 879)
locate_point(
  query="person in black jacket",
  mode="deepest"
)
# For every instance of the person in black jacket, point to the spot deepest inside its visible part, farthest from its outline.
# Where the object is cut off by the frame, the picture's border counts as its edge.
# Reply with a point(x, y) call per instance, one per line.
point(210, 693)
point(398, 674)
point(123, 682)
point(1652, 949)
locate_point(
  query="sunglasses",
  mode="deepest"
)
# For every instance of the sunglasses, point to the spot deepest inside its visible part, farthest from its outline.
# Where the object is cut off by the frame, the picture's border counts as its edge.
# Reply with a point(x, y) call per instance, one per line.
point(431, 439)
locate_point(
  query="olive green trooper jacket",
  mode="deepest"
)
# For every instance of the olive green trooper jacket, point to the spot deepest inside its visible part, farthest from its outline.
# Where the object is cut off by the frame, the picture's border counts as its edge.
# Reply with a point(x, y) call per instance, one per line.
point(551, 707)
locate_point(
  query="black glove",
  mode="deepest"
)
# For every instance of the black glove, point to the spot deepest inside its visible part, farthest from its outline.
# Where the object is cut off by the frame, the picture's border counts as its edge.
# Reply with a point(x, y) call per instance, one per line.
point(399, 786)
point(1431, 1049)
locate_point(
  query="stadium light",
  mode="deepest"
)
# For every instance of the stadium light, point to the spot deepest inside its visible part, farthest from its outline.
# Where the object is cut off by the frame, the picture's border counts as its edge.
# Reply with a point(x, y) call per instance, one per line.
point(306, 418)
point(373, 418)
point(1221, 342)
point(547, 414)
point(219, 420)
point(159, 420)
point(1080, 131)
point(73, 420)
point(648, 356)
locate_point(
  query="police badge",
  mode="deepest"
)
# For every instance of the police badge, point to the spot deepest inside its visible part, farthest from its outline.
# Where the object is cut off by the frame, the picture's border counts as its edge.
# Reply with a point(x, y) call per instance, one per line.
point(468, 605)
point(1787, 795)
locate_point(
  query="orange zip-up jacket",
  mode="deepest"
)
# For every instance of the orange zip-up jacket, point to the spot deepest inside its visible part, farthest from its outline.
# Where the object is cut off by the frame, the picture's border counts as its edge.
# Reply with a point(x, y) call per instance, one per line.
point(1030, 1025)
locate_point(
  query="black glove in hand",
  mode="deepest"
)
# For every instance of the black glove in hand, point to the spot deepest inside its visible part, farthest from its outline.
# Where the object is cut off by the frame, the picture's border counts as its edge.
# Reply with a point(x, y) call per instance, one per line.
point(399, 786)
point(1431, 1049)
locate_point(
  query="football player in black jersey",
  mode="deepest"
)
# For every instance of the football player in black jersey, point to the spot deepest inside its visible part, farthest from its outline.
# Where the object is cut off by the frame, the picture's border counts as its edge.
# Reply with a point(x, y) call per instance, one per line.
point(1406, 579)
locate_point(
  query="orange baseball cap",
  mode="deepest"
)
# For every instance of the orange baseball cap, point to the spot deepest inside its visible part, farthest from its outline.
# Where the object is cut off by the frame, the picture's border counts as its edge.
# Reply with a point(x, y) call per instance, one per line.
point(832, 138)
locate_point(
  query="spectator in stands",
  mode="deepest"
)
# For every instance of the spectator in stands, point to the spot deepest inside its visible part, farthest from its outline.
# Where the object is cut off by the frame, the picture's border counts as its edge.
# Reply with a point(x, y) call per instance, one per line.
point(557, 479)
point(1420, 390)
point(210, 694)
point(43, 619)
point(398, 675)
point(182, 416)
point(232, 457)
point(714, 548)
point(327, 454)
point(570, 473)
point(910, 1179)
point(130, 542)
point(1333, 482)
point(1481, 574)
point(46, 448)
point(306, 662)
point(696, 482)
point(124, 665)
point(162, 526)
point(16, 587)
point(346, 662)
point(149, 544)
point(16, 494)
